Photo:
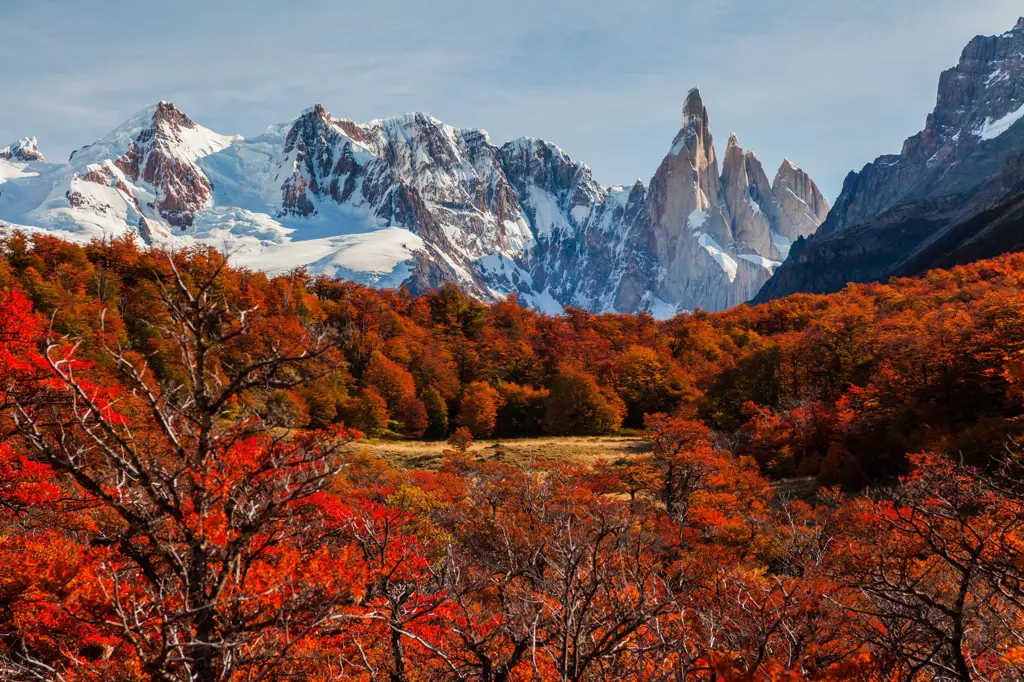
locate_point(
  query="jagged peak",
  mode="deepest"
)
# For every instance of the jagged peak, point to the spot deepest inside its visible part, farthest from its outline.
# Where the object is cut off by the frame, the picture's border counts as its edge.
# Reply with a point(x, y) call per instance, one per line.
point(530, 143)
point(793, 177)
point(315, 111)
point(1020, 25)
point(407, 119)
point(182, 136)
point(693, 108)
point(391, 127)
point(25, 149)
point(734, 140)
point(166, 112)
point(155, 114)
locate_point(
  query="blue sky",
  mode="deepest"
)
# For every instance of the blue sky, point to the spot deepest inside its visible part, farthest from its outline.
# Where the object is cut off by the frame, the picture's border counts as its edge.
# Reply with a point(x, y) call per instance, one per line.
point(829, 83)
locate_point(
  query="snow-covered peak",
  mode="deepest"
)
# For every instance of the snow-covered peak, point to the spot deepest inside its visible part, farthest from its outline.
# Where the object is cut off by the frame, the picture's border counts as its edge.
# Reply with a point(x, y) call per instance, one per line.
point(25, 150)
point(162, 126)
point(151, 159)
point(535, 146)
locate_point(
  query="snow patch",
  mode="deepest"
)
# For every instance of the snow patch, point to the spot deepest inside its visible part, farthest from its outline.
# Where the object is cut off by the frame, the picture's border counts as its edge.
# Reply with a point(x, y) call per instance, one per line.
point(997, 76)
point(991, 129)
point(658, 308)
point(728, 265)
point(547, 216)
point(696, 220)
point(12, 171)
point(377, 256)
point(544, 302)
point(782, 245)
point(761, 261)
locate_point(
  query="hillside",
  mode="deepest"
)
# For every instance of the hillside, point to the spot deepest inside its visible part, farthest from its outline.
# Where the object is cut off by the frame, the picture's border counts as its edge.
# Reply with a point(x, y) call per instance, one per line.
point(840, 386)
point(180, 478)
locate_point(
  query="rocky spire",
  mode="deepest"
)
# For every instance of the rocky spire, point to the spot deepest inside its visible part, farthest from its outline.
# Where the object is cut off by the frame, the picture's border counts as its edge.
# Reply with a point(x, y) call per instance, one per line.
point(803, 205)
point(696, 141)
point(751, 206)
point(168, 116)
point(747, 219)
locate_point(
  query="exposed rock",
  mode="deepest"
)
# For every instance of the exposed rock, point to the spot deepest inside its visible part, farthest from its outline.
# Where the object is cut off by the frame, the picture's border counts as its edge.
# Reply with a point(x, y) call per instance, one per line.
point(944, 199)
point(743, 184)
point(803, 206)
point(25, 150)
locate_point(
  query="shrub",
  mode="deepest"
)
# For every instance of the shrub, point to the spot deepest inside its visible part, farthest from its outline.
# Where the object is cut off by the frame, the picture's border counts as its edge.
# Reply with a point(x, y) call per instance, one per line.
point(414, 418)
point(390, 380)
point(285, 409)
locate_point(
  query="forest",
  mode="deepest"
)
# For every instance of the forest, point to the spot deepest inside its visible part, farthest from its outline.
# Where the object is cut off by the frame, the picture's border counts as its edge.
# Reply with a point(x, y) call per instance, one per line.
point(183, 496)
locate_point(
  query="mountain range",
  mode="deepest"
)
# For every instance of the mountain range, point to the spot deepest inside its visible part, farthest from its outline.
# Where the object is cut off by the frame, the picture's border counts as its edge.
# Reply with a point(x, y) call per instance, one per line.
point(954, 194)
point(413, 201)
point(410, 201)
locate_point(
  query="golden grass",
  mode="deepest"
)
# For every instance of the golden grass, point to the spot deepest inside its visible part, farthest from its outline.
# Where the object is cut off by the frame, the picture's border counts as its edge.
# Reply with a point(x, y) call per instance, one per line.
point(520, 452)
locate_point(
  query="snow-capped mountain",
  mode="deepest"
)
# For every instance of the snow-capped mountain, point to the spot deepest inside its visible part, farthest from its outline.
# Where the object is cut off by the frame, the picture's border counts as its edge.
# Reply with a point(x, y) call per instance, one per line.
point(954, 193)
point(24, 150)
point(410, 200)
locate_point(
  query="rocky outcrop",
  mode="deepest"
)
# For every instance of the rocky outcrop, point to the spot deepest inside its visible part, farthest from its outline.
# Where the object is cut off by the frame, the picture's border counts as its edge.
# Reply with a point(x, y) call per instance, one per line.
point(708, 240)
point(527, 218)
point(943, 198)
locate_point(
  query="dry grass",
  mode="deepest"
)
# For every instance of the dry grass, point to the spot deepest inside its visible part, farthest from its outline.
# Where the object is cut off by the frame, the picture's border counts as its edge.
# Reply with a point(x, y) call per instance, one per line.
point(520, 452)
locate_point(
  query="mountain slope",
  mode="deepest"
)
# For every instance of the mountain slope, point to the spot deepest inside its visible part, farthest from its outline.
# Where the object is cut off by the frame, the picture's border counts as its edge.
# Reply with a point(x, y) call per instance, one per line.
point(947, 198)
point(413, 201)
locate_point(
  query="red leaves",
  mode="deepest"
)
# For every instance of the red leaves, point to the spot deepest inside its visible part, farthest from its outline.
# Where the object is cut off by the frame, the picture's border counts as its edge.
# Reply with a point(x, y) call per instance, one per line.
point(24, 482)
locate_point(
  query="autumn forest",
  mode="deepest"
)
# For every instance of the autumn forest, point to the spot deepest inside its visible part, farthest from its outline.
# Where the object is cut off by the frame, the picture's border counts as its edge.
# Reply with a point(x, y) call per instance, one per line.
point(184, 496)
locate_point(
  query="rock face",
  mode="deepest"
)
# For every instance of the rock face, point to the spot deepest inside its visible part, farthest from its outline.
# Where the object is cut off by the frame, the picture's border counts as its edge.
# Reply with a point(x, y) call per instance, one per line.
point(950, 196)
point(703, 239)
point(412, 201)
point(26, 149)
point(802, 203)
point(158, 148)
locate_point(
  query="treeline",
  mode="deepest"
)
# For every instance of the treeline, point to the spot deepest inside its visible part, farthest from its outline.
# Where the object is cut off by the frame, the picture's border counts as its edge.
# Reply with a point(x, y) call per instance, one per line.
point(161, 519)
point(840, 387)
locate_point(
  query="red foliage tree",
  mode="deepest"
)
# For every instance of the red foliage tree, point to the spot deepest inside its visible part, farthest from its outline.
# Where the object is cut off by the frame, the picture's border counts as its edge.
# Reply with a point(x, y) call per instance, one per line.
point(478, 410)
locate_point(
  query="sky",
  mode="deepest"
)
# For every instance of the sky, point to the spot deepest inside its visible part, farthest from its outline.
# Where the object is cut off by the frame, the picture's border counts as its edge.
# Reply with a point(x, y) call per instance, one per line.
point(830, 84)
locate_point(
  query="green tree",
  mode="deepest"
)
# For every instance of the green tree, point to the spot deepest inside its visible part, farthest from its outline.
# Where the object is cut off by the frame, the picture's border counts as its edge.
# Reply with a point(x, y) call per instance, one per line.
point(577, 406)
point(437, 415)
